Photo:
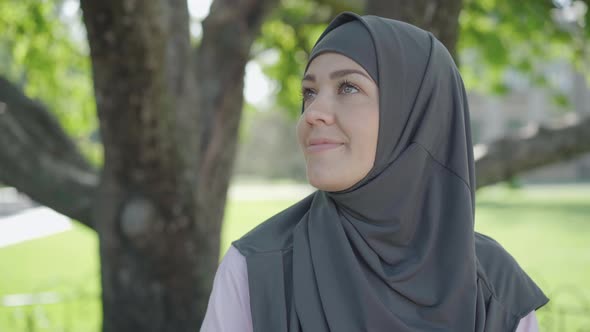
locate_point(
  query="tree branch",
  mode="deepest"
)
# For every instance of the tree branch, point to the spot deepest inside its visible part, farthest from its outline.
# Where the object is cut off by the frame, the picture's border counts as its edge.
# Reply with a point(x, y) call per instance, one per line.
point(228, 33)
point(536, 146)
point(39, 159)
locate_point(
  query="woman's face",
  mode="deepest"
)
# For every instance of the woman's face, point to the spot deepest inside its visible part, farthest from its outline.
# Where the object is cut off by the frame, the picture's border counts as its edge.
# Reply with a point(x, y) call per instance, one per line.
point(338, 128)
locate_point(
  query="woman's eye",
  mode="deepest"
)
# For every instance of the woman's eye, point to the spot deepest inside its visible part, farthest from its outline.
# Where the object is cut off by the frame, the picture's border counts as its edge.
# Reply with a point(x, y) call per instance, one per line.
point(307, 93)
point(348, 88)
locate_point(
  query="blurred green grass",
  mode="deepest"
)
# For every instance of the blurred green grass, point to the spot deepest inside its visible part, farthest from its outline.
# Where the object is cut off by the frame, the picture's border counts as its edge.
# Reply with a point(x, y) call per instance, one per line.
point(547, 230)
point(65, 264)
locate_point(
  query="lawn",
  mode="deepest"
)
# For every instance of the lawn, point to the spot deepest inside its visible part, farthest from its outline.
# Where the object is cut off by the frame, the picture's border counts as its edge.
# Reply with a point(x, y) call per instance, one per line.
point(547, 229)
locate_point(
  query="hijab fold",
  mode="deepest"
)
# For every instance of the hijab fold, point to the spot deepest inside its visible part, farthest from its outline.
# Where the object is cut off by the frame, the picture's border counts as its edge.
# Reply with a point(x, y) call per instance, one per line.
point(397, 251)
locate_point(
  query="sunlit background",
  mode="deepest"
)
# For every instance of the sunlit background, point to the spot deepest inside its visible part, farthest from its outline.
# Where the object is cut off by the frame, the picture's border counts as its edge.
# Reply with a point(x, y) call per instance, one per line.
point(49, 270)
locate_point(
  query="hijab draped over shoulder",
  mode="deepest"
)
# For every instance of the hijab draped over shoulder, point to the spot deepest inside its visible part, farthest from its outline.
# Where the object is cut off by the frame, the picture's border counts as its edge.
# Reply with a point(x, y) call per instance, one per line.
point(397, 251)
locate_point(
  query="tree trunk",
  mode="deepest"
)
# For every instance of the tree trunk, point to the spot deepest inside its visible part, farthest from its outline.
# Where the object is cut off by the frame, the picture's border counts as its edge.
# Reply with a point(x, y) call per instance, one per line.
point(151, 260)
point(169, 142)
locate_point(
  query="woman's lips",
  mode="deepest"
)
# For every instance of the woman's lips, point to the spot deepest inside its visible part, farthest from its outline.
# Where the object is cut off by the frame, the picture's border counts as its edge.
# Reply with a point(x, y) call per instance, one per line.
point(322, 147)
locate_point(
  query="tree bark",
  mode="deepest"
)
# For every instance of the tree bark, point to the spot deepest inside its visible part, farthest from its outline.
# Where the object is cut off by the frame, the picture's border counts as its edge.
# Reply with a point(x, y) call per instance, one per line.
point(169, 138)
point(151, 265)
point(39, 159)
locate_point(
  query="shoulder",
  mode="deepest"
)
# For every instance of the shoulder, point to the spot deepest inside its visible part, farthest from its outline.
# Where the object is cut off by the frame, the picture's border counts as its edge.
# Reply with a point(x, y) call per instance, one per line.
point(229, 297)
point(528, 324)
point(232, 273)
point(234, 262)
point(491, 255)
point(506, 280)
point(276, 233)
point(496, 266)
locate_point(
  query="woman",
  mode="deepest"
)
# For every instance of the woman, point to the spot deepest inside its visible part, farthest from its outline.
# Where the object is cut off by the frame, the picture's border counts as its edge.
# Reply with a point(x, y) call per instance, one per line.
point(387, 241)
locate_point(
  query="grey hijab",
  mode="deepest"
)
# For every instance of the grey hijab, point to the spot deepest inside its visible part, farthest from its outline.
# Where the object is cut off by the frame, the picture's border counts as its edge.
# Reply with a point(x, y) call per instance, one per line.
point(397, 251)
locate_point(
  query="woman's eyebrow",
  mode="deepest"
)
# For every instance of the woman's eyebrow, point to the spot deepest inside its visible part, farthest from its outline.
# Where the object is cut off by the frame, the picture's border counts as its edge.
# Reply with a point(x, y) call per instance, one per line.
point(344, 72)
point(308, 77)
point(337, 74)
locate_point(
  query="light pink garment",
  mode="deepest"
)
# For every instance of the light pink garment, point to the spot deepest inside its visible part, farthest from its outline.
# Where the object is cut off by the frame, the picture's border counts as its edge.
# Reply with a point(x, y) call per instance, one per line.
point(528, 323)
point(229, 303)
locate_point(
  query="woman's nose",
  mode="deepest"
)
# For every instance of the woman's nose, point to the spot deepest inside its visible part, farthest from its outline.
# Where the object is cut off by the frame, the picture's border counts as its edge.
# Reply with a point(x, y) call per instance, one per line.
point(320, 111)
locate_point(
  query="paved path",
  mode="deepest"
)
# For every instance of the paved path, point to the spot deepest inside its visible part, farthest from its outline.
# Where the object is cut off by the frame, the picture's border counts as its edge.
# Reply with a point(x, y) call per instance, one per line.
point(30, 224)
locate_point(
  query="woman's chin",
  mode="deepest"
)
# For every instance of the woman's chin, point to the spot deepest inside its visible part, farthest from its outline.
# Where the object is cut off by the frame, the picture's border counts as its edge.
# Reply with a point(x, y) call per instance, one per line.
point(325, 183)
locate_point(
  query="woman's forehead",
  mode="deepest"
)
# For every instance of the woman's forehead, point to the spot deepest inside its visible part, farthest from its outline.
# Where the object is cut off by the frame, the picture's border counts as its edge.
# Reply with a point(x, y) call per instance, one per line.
point(331, 61)
point(333, 66)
